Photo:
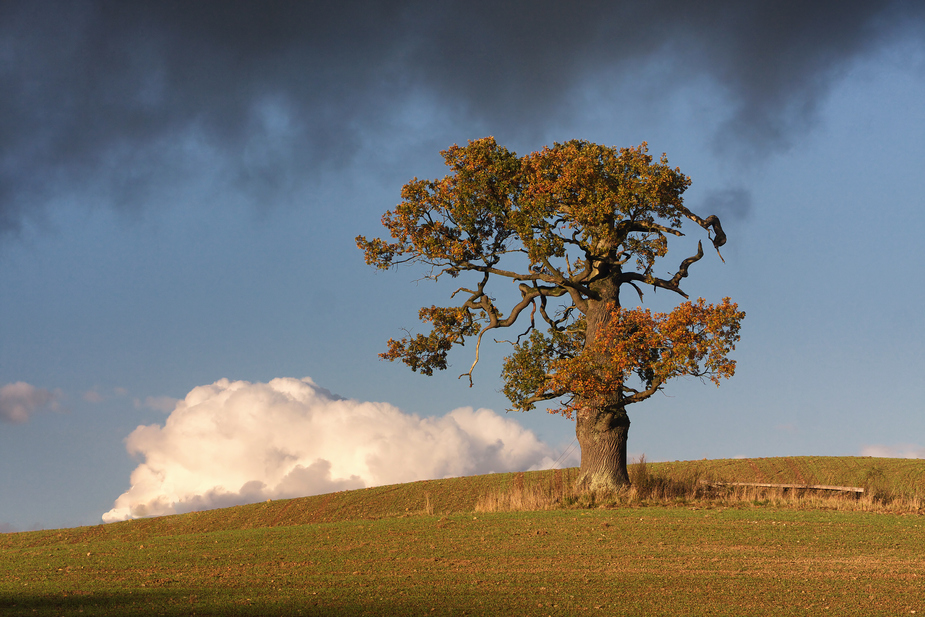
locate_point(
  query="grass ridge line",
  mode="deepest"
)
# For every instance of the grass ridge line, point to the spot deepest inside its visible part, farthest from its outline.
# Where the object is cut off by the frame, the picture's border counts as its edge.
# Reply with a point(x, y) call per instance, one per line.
point(900, 477)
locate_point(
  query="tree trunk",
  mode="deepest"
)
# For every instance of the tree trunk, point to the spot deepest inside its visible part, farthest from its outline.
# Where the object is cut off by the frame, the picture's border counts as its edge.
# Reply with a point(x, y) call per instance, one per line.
point(602, 427)
point(602, 435)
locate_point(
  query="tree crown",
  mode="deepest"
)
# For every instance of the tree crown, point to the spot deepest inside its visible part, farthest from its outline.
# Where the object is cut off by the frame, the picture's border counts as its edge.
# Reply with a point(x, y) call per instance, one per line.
point(572, 222)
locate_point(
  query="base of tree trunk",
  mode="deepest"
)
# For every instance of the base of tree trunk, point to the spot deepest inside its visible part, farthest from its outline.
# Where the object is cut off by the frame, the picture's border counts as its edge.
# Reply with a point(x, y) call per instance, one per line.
point(602, 435)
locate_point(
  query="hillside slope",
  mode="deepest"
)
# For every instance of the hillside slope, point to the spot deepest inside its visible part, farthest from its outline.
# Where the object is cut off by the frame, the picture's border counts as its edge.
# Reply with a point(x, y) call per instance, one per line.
point(897, 476)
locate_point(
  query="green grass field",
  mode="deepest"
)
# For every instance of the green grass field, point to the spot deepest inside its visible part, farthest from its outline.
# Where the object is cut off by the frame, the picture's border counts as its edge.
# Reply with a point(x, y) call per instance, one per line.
point(421, 549)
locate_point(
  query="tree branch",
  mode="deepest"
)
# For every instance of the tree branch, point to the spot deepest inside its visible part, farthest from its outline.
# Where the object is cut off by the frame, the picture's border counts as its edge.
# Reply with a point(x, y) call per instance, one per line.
point(673, 284)
point(478, 343)
point(685, 265)
point(711, 222)
point(628, 227)
point(641, 396)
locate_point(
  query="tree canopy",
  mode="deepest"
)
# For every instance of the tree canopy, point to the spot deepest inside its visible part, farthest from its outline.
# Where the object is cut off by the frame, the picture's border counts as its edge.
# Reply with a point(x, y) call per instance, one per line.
point(570, 225)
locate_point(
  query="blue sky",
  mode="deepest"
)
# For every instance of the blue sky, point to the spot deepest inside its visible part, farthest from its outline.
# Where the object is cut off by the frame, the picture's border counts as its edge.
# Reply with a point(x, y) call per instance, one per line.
point(180, 190)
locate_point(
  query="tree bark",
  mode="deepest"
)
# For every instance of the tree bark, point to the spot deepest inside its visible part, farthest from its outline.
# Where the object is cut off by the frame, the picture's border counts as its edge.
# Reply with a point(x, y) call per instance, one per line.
point(603, 427)
point(602, 435)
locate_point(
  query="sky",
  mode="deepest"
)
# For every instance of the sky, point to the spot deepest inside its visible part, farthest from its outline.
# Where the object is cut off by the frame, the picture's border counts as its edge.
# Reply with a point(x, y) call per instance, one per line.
point(185, 319)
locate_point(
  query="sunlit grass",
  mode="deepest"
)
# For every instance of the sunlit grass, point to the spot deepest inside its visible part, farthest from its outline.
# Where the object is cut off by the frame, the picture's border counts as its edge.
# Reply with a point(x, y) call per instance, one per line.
point(422, 549)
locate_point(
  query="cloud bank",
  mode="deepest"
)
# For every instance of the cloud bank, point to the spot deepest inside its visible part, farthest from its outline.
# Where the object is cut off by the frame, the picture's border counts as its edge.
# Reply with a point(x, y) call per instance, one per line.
point(235, 442)
point(19, 401)
point(135, 103)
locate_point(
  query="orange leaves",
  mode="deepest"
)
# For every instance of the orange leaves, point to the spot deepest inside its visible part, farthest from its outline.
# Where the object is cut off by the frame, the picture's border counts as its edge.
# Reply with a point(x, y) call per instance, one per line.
point(636, 351)
point(700, 337)
point(605, 199)
point(453, 322)
point(592, 189)
point(457, 220)
point(569, 225)
point(426, 353)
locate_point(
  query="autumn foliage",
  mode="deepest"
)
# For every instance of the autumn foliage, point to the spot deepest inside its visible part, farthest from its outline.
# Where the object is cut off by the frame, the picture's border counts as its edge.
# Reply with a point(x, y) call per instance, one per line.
point(630, 358)
point(568, 227)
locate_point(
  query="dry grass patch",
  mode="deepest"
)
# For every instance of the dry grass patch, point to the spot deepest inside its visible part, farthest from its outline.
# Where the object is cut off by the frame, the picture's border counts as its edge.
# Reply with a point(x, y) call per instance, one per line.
point(699, 485)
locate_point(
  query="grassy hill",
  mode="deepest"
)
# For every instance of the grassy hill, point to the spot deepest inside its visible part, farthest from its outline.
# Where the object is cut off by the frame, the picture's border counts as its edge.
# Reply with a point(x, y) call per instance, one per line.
point(900, 477)
point(420, 548)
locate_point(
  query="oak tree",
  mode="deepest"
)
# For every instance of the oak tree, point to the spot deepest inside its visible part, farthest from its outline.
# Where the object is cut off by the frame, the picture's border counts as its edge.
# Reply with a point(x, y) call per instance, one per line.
point(570, 226)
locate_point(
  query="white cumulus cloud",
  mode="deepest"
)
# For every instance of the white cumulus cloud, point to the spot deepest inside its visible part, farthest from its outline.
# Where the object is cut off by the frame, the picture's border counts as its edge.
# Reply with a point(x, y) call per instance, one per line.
point(903, 450)
point(20, 400)
point(235, 442)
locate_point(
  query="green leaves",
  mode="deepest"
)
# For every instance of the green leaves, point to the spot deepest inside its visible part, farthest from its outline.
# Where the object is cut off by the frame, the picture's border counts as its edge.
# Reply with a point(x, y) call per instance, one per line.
point(526, 372)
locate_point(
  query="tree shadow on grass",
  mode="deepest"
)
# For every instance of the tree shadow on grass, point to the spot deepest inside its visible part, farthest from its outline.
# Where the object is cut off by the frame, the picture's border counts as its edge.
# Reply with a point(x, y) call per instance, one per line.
point(170, 602)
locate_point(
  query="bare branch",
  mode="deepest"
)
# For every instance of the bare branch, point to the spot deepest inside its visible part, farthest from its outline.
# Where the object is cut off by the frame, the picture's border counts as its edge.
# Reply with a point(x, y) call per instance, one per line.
point(478, 343)
point(636, 287)
point(673, 284)
point(552, 322)
point(685, 265)
point(539, 398)
point(468, 291)
point(627, 227)
point(711, 222)
point(532, 323)
point(641, 396)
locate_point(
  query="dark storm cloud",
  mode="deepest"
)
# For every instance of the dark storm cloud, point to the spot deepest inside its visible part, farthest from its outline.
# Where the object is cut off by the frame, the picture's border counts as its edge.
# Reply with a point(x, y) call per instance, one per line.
point(729, 203)
point(134, 103)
